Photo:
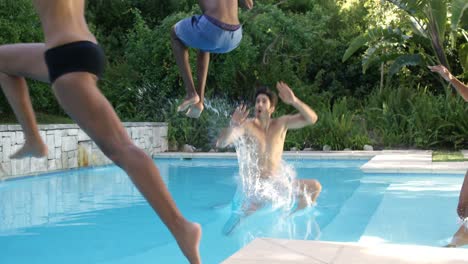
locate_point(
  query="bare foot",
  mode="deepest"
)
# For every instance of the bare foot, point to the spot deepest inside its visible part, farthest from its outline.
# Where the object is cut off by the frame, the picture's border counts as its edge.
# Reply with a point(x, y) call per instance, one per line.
point(195, 110)
point(460, 238)
point(188, 102)
point(37, 150)
point(188, 240)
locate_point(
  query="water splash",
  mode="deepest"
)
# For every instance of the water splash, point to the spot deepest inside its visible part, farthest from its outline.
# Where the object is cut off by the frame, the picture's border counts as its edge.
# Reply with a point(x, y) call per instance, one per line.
point(220, 106)
point(278, 191)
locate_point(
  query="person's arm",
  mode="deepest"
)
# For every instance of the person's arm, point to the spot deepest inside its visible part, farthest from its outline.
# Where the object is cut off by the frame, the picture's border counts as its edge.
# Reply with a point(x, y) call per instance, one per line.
point(461, 88)
point(247, 3)
point(235, 129)
point(306, 115)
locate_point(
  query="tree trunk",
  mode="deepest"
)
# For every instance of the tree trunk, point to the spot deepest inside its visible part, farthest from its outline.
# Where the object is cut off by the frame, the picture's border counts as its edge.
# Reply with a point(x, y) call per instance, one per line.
point(381, 76)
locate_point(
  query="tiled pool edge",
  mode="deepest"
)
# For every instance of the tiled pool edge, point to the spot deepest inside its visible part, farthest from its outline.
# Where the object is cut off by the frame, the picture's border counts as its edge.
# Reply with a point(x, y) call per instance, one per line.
point(316, 155)
point(319, 155)
point(364, 155)
point(70, 148)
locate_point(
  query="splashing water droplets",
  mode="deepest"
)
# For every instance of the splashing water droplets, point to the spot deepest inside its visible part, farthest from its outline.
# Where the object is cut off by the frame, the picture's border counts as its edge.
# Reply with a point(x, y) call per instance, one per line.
point(278, 190)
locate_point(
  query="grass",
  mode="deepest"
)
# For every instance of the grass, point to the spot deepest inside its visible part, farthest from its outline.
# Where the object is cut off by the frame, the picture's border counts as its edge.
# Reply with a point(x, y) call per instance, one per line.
point(42, 118)
point(444, 156)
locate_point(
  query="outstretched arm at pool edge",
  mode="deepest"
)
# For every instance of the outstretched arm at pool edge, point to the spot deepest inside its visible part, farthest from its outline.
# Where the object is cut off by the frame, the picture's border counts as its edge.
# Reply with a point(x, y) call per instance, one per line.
point(461, 88)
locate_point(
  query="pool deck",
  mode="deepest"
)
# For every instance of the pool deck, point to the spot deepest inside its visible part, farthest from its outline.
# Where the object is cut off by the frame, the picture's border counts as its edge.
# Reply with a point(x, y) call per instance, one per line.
point(276, 251)
point(412, 162)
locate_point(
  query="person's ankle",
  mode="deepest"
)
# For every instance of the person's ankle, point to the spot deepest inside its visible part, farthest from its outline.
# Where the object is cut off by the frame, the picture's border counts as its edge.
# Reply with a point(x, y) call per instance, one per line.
point(177, 224)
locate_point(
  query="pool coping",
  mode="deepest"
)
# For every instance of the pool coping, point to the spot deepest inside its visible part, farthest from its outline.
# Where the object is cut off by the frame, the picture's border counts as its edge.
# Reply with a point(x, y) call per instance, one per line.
point(284, 251)
point(381, 161)
point(326, 155)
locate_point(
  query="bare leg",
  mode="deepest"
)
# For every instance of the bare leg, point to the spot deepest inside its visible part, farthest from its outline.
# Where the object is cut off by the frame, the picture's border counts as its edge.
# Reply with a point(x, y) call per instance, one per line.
point(19, 60)
point(203, 61)
point(462, 208)
point(16, 91)
point(81, 99)
point(182, 59)
point(460, 238)
point(309, 192)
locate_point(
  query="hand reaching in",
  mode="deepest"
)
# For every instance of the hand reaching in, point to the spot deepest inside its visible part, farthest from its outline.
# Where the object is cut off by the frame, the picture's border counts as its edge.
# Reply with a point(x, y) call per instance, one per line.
point(247, 3)
point(285, 93)
point(440, 69)
point(240, 115)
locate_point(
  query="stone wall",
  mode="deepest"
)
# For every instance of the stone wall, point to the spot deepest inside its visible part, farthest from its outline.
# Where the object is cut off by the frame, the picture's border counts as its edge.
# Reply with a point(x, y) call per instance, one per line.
point(69, 147)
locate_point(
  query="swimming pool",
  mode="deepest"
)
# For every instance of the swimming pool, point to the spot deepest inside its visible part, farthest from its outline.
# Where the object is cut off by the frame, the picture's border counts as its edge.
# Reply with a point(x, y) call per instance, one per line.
point(98, 216)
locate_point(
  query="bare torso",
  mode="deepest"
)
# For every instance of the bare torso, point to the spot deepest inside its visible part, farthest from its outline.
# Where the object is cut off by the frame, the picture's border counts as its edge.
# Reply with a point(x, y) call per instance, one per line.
point(270, 143)
point(224, 10)
point(63, 21)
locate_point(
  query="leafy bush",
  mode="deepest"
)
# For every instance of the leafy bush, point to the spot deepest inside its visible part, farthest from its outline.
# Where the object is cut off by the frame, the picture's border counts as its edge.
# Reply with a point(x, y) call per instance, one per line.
point(299, 42)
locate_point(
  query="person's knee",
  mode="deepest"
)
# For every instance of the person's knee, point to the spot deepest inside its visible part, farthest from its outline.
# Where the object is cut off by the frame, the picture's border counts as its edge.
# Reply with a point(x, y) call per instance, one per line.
point(313, 185)
point(7, 78)
point(314, 188)
point(4, 52)
point(4, 77)
point(5, 58)
point(10, 58)
point(317, 186)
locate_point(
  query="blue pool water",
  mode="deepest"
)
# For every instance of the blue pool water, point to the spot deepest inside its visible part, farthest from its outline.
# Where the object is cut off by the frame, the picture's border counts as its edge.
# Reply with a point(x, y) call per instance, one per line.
point(98, 216)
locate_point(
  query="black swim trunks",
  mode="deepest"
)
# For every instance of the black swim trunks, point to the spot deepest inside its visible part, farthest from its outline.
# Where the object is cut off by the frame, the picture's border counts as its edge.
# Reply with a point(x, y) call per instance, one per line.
point(80, 56)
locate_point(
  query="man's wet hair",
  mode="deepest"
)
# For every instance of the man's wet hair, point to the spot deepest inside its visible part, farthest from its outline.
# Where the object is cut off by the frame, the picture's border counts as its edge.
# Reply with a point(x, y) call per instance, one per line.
point(266, 91)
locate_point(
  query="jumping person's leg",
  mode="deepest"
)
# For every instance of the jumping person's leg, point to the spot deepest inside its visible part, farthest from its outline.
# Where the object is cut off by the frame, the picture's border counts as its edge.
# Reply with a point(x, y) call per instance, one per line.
point(73, 70)
point(182, 59)
point(16, 62)
point(81, 99)
point(462, 208)
point(203, 61)
point(207, 35)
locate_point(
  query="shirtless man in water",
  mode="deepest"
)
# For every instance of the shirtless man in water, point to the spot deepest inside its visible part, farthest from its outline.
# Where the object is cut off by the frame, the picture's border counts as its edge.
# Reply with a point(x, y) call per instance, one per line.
point(216, 31)
point(73, 63)
point(270, 133)
point(461, 236)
